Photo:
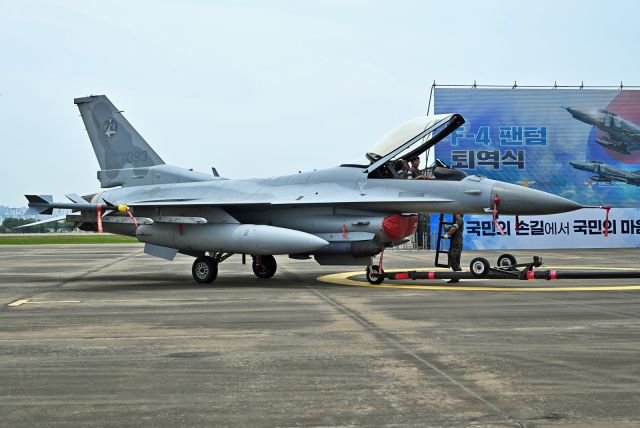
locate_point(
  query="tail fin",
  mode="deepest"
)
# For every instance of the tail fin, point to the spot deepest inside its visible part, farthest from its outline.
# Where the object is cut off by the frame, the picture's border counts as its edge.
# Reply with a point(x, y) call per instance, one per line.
point(116, 143)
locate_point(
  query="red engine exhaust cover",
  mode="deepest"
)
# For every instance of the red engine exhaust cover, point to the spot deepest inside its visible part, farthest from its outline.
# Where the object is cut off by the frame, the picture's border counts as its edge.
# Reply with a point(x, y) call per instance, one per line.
point(398, 226)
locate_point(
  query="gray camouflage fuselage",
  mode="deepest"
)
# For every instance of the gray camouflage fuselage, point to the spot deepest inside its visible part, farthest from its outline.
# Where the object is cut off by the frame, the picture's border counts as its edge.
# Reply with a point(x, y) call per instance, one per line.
point(292, 201)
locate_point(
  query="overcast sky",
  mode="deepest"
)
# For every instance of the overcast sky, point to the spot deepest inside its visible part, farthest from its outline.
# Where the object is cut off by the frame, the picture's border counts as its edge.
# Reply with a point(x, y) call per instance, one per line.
point(268, 88)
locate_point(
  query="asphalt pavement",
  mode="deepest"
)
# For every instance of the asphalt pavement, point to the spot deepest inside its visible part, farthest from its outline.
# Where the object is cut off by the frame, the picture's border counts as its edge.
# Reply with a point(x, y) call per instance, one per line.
point(104, 335)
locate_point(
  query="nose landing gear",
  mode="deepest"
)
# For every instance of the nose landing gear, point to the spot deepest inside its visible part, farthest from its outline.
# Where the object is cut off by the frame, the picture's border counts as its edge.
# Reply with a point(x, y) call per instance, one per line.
point(375, 274)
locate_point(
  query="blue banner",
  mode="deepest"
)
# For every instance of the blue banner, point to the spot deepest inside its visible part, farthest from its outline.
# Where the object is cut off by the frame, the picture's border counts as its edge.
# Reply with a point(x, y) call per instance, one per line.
point(578, 229)
point(580, 144)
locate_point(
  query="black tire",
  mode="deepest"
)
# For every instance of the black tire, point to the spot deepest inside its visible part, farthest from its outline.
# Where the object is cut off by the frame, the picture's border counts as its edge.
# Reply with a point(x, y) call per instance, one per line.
point(479, 267)
point(374, 275)
point(506, 261)
point(204, 270)
point(266, 268)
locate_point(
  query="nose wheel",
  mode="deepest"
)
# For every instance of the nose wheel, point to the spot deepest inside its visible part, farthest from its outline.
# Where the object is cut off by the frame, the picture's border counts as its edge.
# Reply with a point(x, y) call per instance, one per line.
point(204, 269)
point(264, 266)
point(375, 274)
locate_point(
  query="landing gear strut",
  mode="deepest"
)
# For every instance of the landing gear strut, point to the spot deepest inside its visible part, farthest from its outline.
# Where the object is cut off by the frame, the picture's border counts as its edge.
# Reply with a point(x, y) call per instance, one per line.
point(264, 266)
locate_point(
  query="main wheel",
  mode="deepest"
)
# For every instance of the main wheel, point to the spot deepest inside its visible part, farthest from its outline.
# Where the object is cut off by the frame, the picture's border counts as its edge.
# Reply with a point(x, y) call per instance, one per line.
point(204, 270)
point(506, 261)
point(479, 267)
point(264, 266)
point(374, 274)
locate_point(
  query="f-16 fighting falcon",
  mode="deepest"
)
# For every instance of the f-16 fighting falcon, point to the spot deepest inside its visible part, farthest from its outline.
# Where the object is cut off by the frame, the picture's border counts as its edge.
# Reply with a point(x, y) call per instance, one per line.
point(343, 215)
point(624, 135)
point(608, 174)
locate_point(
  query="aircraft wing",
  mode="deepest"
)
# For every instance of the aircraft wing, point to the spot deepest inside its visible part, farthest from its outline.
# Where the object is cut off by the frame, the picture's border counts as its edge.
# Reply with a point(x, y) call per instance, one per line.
point(49, 220)
point(394, 204)
point(196, 203)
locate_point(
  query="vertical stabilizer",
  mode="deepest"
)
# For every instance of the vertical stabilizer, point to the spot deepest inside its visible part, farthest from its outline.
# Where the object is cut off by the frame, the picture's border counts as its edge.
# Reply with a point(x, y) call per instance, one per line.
point(116, 143)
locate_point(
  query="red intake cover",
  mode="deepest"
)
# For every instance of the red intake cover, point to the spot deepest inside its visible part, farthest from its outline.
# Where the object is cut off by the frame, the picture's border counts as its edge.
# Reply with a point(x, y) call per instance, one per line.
point(399, 226)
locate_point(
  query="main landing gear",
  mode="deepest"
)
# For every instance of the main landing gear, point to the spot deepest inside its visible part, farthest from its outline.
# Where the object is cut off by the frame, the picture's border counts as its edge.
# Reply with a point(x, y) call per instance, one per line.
point(205, 268)
point(264, 266)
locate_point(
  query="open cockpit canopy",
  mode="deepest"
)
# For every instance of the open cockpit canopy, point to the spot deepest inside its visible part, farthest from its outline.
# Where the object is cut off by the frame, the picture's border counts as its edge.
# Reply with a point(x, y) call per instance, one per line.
point(409, 140)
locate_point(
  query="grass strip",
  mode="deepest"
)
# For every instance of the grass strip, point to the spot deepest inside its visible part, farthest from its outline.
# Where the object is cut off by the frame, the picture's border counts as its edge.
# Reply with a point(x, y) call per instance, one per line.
point(66, 239)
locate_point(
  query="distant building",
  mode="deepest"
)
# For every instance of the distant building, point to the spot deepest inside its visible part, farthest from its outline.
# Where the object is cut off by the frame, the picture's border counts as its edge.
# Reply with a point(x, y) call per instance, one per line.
point(8, 212)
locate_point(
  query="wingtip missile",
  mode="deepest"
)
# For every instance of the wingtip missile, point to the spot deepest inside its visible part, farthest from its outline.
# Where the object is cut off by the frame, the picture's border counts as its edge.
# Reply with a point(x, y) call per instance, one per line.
point(44, 204)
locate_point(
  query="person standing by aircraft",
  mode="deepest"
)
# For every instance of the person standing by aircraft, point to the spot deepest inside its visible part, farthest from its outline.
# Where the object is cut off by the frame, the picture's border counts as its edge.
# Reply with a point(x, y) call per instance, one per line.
point(455, 235)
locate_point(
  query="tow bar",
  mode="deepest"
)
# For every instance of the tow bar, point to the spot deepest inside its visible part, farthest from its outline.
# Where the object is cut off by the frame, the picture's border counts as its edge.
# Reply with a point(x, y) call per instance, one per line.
point(506, 268)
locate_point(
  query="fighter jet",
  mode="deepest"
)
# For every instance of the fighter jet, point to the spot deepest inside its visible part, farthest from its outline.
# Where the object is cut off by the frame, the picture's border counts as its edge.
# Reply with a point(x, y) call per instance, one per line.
point(343, 215)
point(624, 135)
point(608, 174)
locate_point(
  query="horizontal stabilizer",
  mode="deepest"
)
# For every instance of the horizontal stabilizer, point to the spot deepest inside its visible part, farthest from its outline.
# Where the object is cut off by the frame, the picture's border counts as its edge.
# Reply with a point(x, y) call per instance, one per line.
point(74, 197)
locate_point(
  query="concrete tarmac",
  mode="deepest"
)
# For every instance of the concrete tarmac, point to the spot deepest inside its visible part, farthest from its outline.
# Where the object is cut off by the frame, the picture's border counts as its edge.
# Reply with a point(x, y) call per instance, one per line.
point(104, 335)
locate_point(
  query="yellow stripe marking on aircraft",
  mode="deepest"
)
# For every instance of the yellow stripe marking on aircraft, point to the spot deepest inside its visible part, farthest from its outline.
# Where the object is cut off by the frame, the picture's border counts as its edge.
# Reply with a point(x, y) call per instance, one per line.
point(345, 279)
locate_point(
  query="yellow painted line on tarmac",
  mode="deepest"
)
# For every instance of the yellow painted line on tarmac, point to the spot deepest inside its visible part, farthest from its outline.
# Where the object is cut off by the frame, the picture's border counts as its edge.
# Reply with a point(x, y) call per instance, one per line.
point(54, 302)
point(344, 278)
point(18, 303)
point(40, 302)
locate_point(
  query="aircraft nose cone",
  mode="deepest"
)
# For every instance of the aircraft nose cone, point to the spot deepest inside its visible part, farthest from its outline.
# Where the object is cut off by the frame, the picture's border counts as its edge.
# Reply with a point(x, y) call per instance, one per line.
point(519, 200)
point(582, 166)
point(574, 111)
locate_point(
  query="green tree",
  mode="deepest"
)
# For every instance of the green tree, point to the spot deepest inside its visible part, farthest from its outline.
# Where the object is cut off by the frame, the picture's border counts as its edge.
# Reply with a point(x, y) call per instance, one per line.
point(66, 226)
point(10, 222)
